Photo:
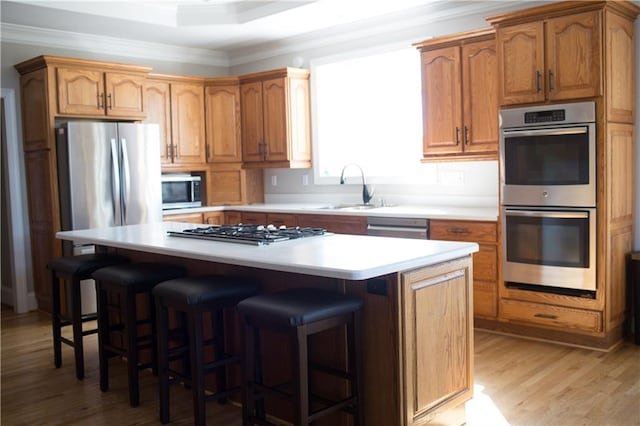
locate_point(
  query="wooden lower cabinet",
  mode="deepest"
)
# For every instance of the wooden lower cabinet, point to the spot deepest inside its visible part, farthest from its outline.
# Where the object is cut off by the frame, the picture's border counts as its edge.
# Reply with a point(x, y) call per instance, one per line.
point(550, 315)
point(485, 261)
point(436, 338)
point(282, 219)
point(213, 218)
point(184, 217)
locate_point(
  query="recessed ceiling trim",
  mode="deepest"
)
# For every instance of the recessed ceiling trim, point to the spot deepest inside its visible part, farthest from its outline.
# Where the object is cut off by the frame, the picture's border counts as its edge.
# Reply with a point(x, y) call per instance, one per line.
point(22, 34)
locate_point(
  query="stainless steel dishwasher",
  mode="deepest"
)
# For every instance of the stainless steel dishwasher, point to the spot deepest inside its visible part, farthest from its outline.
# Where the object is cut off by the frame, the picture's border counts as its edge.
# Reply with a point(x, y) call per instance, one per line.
point(401, 227)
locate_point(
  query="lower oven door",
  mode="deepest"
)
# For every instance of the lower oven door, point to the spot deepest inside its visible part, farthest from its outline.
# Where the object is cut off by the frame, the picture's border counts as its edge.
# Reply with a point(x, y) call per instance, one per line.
point(549, 248)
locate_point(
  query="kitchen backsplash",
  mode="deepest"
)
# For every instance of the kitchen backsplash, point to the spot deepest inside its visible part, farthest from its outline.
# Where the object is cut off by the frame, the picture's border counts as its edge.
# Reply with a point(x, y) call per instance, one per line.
point(473, 184)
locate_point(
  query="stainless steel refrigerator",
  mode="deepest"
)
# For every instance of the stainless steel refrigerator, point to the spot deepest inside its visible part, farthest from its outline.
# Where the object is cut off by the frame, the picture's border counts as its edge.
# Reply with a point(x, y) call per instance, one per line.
point(109, 175)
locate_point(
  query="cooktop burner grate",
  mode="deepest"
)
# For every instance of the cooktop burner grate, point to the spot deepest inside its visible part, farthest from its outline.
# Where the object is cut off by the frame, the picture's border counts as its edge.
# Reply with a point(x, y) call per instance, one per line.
point(248, 234)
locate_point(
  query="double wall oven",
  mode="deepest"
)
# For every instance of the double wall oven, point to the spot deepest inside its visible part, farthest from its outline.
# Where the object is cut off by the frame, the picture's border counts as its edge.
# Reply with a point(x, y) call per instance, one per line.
point(548, 190)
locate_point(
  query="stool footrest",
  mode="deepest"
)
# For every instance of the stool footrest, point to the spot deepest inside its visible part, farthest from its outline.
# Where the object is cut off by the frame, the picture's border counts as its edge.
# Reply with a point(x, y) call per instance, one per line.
point(210, 366)
point(222, 394)
point(331, 371)
point(335, 406)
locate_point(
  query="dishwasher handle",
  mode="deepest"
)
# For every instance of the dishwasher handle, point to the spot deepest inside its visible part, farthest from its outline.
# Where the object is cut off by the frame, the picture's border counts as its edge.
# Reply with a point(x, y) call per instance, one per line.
point(398, 231)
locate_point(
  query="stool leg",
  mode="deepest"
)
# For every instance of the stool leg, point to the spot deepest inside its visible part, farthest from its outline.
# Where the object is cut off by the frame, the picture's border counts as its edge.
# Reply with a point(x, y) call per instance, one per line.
point(197, 366)
point(55, 319)
point(163, 359)
point(221, 373)
point(131, 328)
point(76, 319)
point(249, 354)
point(103, 336)
point(154, 334)
point(354, 342)
point(300, 376)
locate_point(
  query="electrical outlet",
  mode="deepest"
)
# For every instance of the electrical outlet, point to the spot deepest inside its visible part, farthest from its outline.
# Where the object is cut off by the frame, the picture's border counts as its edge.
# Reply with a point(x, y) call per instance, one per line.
point(274, 180)
point(305, 180)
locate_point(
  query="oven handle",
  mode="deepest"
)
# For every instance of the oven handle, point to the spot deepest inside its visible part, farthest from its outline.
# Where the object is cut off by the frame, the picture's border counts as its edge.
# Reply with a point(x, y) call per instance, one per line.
point(555, 215)
point(547, 132)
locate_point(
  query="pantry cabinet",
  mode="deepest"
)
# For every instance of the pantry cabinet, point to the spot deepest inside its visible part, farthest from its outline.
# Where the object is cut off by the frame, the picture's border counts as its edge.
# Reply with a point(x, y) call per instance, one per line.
point(275, 119)
point(553, 59)
point(459, 96)
point(177, 105)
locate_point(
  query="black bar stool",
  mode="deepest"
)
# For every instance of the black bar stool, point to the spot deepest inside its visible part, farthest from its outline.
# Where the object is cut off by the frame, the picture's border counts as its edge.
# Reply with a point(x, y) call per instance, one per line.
point(299, 313)
point(127, 281)
point(74, 270)
point(192, 298)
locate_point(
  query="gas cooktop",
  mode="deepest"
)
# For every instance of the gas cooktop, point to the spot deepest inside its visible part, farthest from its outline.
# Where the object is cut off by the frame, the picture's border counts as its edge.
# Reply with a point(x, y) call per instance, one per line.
point(248, 234)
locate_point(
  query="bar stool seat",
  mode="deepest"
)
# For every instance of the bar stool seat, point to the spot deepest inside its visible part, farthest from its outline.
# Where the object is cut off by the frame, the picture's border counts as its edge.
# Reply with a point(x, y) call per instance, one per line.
point(192, 298)
point(299, 313)
point(127, 281)
point(74, 270)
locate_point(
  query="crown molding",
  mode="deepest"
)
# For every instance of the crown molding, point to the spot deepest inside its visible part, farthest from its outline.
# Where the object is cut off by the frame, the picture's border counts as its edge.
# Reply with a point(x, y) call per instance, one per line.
point(22, 34)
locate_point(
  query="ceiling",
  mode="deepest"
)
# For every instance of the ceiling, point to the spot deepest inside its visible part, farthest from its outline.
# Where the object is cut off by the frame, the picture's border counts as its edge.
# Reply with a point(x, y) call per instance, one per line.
point(224, 28)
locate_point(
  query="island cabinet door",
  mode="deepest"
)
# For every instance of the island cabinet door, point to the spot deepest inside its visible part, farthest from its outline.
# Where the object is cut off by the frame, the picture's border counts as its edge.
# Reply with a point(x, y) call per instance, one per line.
point(437, 338)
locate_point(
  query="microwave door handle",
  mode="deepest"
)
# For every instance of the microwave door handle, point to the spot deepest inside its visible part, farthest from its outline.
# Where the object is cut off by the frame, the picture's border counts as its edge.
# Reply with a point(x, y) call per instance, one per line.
point(546, 132)
point(554, 215)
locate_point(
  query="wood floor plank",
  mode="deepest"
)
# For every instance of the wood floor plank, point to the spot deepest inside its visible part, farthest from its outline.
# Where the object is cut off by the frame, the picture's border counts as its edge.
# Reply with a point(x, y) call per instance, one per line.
point(517, 382)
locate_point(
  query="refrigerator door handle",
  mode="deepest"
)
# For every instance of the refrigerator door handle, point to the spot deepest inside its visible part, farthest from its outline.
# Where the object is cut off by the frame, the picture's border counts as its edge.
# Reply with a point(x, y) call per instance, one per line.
point(115, 182)
point(126, 177)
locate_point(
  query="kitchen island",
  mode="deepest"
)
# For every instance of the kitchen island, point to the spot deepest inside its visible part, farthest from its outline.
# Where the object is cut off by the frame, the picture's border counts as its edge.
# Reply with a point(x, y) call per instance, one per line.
point(417, 314)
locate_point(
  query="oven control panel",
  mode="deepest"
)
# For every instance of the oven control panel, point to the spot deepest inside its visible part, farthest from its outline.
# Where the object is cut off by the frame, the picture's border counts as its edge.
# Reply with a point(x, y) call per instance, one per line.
point(544, 116)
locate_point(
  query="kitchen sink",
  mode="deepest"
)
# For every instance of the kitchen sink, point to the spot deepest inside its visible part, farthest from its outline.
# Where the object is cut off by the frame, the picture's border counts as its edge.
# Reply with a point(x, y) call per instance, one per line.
point(349, 207)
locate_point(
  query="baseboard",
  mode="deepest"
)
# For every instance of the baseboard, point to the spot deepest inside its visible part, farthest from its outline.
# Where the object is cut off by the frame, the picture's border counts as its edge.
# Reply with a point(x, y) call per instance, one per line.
point(32, 302)
point(6, 295)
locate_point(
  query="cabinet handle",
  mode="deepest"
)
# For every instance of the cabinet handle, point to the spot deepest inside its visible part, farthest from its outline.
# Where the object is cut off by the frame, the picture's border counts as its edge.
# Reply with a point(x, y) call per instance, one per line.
point(550, 81)
point(109, 101)
point(176, 152)
point(466, 135)
point(538, 77)
point(207, 151)
point(546, 316)
point(457, 135)
point(101, 100)
point(167, 151)
point(264, 151)
point(459, 231)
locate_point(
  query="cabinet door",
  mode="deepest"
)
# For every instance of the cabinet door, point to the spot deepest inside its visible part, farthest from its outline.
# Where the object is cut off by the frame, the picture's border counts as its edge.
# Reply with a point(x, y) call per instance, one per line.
point(437, 337)
point(157, 104)
point(521, 63)
point(124, 94)
point(252, 121)
point(299, 123)
point(480, 96)
point(254, 218)
point(213, 218)
point(226, 185)
point(222, 106)
point(35, 111)
point(573, 56)
point(356, 225)
point(282, 219)
point(80, 92)
point(441, 101)
point(187, 123)
point(276, 119)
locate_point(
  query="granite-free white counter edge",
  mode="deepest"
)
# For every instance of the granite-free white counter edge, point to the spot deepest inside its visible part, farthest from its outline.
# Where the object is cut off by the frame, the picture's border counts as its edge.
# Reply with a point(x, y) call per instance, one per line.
point(350, 257)
point(425, 212)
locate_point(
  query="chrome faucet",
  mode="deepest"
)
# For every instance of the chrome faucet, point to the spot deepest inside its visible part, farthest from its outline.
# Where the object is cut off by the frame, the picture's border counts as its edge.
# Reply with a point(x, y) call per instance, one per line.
point(367, 195)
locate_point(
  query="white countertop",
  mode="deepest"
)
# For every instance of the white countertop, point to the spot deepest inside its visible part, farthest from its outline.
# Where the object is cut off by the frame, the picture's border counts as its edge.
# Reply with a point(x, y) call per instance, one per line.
point(350, 257)
point(425, 212)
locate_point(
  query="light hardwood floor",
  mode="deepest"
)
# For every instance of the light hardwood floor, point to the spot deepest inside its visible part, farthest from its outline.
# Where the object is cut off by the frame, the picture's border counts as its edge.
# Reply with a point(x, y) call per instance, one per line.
point(517, 382)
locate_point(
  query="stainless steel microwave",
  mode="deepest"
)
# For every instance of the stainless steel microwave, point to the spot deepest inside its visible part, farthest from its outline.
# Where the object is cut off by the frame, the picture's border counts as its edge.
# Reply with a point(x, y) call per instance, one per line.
point(548, 155)
point(180, 191)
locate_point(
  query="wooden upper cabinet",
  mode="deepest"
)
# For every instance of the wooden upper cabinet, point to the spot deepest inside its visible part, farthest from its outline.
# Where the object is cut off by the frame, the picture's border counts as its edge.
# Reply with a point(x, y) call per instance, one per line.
point(94, 93)
point(619, 68)
point(157, 99)
point(521, 63)
point(553, 59)
point(573, 56)
point(459, 96)
point(187, 123)
point(223, 126)
point(441, 100)
point(276, 119)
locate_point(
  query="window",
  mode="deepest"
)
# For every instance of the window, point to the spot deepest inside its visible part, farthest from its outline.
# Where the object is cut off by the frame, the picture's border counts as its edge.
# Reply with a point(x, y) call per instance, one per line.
point(368, 111)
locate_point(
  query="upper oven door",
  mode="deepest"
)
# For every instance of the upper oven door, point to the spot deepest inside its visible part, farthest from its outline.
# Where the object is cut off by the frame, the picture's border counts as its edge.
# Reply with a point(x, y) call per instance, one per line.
point(551, 166)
